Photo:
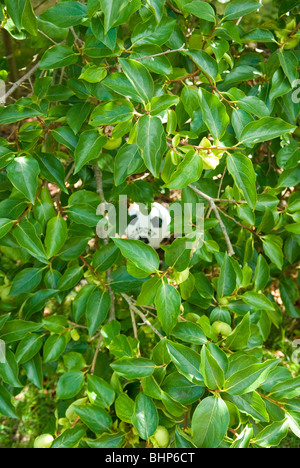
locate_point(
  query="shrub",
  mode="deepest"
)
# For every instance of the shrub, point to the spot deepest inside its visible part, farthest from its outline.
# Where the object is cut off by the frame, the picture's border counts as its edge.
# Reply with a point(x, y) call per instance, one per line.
point(153, 100)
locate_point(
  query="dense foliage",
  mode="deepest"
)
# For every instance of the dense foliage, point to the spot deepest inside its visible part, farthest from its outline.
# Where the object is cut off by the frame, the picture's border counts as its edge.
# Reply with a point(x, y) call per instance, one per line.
point(157, 100)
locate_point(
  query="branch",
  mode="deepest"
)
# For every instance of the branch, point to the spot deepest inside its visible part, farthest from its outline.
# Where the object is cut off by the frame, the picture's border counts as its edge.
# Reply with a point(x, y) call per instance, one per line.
point(140, 314)
point(166, 52)
point(20, 81)
point(214, 207)
point(96, 354)
point(290, 35)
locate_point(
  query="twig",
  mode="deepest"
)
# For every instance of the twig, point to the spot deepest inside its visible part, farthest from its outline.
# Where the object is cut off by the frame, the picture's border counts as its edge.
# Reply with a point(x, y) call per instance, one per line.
point(134, 327)
point(174, 8)
point(20, 81)
point(161, 53)
point(290, 35)
point(47, 37)
point(96, 354)
point(215, 209)
point(205, 148)
point(140, 314)
point(93, 271)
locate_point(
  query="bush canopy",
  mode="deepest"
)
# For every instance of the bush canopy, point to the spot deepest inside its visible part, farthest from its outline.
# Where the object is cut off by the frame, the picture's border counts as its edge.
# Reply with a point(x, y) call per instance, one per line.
point(179, 102)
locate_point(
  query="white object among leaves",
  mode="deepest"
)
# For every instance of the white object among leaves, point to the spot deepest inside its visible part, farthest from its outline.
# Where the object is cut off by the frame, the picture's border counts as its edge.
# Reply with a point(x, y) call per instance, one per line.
point(150, 228)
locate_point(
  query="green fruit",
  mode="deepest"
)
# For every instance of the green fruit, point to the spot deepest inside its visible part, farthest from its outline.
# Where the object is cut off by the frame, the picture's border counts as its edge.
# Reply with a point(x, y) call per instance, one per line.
point(192, 317)
point(291, 43)
point(71, 415)
point(113, 143)
point(43, 441)
point(5, 294)
point(223, 301)
point(74, 334)
point(160, 438)
point(222, 328)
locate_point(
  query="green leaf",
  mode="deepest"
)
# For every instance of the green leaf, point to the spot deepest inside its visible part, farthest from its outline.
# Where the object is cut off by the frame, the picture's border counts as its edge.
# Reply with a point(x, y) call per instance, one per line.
point(58, 56)
point(9, 370)
point(210, 422)
point(56, 236)
point(70, 278)
point(286, 390)
point(241, 169)
point(88, 148)
point(111, 113)
point(69, 385)
point(97, 419)
point(257, 300)
point(238, 8)
point(70, 438)
point(188, 171)
point(249, 379)
point(23, 173)
point(167, 302)
point(214, 113)
point(28, 347)
point(201, 10)
point(5, 226)
point(26, 236)
point(124, 407)
point(111, 12)
point(100, 392)
point(239, 338)
point(272, 435)
point(141, 255)
point(26, 280)
point(65, 15)
point(52, 169)
point(212, 373)
point(288, 61)
point(77, 115)
point(139, 77)
point(265, 129)
point(6, 407)
point(54, 347)
point(272, 246)
point(128, 161)
point(97, 309)
point(205, 62)
point(262, 273)
point(227, 279)
point(15, 330)
point(186, 361)
point(149, 32)
point(151, 140)
point(133, 368)
point(145, 416)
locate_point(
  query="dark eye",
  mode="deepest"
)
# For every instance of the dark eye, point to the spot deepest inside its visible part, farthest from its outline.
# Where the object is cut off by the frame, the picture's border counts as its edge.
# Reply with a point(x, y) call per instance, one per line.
point(156, 222)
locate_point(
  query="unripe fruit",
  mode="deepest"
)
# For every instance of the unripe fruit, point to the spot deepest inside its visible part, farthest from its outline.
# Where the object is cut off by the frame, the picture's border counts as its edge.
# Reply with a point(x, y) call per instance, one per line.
point(74, 334)
point(192, 317)
point(112, 143)
point(43, 441)
point(223, 301)
point(291, 43)
point(222, 328)
point(160, 438)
